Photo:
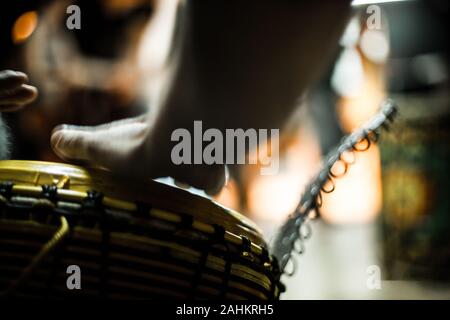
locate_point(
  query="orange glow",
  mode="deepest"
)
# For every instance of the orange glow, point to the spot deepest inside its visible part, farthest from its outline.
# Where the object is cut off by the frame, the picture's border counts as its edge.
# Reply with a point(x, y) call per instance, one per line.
point(24, 26)
point(229, 196)
point(357, 196)
point(353, 112)
point(272, 198)
point(374, 44)
point(119, 6)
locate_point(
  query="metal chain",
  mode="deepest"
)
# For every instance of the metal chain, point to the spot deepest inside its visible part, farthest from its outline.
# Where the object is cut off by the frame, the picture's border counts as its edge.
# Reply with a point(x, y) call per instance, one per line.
point(297, 229)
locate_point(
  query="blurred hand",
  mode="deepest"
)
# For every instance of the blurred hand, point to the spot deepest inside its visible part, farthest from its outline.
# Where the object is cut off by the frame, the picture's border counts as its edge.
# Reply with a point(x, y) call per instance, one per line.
point(223, 70)
point(133, 148)
point(14, 92)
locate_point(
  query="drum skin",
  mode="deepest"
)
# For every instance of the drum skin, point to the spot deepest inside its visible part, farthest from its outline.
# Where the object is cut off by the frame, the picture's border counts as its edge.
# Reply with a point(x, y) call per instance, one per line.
point(143, 240)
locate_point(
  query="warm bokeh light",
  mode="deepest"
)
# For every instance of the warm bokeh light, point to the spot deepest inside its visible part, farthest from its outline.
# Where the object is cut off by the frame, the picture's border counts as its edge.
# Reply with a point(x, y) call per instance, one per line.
point(359, 81)
point(359, 78)
point(375, 45)
point(272, 198)
point(229, 196)
point(24, 26)
point(120, 6)
point(355, 111)
point(357, 196)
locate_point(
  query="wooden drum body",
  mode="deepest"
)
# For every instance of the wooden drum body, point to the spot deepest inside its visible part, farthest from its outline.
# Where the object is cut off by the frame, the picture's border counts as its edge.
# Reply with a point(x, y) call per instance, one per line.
point(129, 240)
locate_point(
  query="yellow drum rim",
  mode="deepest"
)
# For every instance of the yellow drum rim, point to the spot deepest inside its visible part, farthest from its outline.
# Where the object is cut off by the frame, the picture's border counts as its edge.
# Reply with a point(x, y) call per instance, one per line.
point(166, 202)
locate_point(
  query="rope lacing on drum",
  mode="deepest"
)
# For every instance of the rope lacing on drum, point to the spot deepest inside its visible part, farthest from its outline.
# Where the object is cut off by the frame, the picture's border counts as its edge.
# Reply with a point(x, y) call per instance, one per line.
point(91, 210)
point(93, 203)
point(5, 192)
point(46, 249)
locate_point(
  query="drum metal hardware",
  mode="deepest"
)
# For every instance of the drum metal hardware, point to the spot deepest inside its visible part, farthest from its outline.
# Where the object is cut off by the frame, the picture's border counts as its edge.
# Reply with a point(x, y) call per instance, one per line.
point(293, 233)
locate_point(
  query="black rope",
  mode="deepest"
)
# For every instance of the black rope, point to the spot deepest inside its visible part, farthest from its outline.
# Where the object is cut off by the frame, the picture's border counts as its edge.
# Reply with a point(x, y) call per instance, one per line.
point(219, 237)
point(201, 265)
point(6, 189)
point(50, 192)
point(93, 203)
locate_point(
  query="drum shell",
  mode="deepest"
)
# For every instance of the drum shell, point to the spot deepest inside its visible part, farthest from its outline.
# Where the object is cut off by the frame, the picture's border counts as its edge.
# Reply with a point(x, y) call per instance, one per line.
point(148, 250)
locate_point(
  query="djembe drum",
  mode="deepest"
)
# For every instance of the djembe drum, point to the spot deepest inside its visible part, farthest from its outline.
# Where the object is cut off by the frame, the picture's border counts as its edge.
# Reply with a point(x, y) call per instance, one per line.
point(148, 240)
point(129, 240)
